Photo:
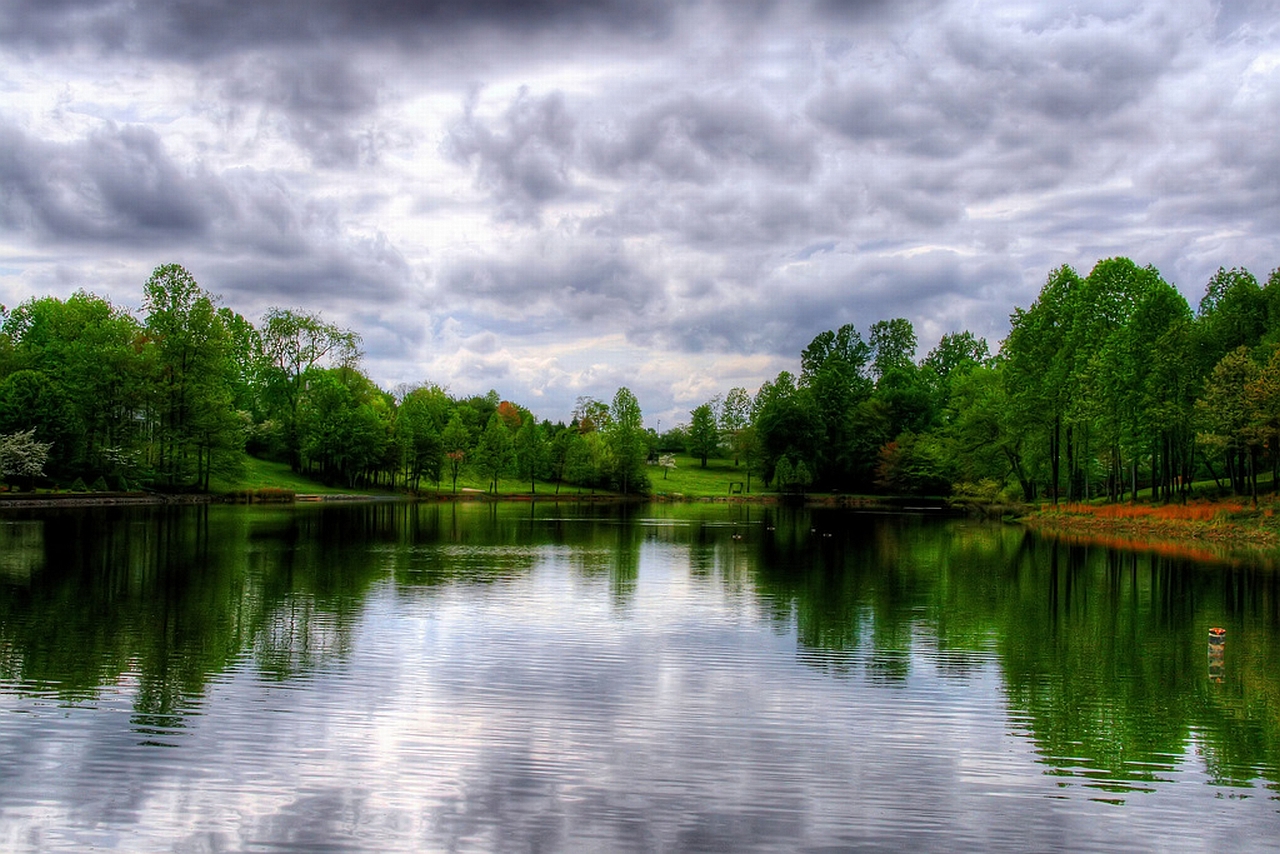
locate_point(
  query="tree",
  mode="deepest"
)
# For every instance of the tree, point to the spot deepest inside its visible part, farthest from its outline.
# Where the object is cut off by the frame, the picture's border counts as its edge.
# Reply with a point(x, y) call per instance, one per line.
point(1225, 417)
point(531, 452)
point(293, 343)
point(33, 401)
point(666, 462)
point(894, 344)
point(1039, 364)
point(735, 417)
point(21, 456)
point(982, 426)
point(590, 414)
point(957, 353)
point(419, 420)
point(342, 425)
point(625, 442)
point(194, 377)
point(1232, 313)
point(93, 353)
point(495, 452)
point(704, 438)
point(456, 440)
point(787, 423)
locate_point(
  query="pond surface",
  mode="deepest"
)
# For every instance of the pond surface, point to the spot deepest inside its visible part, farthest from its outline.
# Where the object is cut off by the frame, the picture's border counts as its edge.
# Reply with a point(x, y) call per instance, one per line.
point(542, 677)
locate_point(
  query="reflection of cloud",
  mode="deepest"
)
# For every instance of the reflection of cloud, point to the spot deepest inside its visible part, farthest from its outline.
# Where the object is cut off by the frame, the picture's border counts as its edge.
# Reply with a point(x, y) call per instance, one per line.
point(500, 697)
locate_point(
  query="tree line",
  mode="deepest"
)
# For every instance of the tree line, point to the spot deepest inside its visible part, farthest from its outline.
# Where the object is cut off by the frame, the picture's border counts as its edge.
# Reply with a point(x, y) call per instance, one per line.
point(166, 401)
point(1106, 385)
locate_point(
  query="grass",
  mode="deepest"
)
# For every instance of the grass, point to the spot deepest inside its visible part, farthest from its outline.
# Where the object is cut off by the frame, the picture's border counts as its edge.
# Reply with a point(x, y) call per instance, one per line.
point(258, 475)
point(690, 479)
point(1195, 511)
point(1229, 521)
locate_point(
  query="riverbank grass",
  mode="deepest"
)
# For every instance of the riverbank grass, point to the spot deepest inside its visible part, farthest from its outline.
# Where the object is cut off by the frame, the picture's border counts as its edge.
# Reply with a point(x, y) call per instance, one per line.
point(1225, 521)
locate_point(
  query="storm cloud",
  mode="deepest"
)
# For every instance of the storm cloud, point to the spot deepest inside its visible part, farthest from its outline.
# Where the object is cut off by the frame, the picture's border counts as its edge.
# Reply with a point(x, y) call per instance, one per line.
point(556, 198)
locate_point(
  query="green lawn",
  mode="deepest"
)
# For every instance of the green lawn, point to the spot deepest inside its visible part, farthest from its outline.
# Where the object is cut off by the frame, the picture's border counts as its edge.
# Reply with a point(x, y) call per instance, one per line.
point(689, 478)
point(265, 474)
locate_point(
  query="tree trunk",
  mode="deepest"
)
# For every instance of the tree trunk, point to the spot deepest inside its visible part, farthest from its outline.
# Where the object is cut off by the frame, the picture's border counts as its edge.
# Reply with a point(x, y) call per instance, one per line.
point(1054, 446)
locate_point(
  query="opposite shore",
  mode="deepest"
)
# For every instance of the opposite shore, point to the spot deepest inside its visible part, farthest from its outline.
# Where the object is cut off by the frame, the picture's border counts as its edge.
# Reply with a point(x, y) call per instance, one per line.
point(1203, 527)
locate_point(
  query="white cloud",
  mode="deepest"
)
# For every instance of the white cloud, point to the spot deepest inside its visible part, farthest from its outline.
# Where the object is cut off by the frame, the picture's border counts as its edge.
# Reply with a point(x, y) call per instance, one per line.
point(676, 197)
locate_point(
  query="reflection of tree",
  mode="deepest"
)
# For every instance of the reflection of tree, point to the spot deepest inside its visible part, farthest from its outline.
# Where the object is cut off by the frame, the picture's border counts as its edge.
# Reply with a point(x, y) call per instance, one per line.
point(1103, 652)
point(168, 597)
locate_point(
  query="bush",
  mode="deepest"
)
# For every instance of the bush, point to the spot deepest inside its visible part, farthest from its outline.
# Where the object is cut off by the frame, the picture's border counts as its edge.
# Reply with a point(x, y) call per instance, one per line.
point(78, 485)
point(100, 485)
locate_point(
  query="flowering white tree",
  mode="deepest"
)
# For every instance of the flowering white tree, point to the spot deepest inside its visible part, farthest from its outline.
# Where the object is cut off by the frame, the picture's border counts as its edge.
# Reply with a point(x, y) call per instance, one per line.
point(22, 456)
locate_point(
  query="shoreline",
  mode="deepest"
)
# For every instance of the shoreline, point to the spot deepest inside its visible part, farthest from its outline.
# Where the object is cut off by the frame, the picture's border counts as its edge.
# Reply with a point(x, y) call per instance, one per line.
point(1218, 531)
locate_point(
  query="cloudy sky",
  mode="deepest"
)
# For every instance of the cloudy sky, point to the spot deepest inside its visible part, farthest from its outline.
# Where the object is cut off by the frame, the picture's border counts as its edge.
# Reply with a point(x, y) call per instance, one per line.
point(554, 198)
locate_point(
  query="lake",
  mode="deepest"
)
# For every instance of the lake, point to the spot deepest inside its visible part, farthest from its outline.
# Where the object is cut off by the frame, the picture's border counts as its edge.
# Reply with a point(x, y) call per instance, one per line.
point(582, 677)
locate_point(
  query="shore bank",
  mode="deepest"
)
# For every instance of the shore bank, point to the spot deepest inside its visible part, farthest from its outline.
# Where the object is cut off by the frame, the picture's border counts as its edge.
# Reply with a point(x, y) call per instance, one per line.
point(1201, 528)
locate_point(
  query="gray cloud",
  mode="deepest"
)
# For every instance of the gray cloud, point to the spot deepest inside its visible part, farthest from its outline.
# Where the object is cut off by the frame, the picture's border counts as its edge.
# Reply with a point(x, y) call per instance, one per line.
point(524, 163)
point(568, 195)
point(197, 29)
point(117, 184)
point(324, 104)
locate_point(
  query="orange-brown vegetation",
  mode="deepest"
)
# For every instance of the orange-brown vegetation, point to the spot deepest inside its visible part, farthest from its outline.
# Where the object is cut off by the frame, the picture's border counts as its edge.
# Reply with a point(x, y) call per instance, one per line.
point(1175, 528)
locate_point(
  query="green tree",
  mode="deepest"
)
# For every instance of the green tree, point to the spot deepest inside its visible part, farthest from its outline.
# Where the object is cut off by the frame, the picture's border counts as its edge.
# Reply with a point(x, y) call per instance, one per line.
point(194, 376)
point(982, 426)
point(93, 353)
point(494, 454)
point(704, 437)
point(894, 344)
point(293, 343)
point(787, 423)
point(735, 417)
point(957, 354)
point(419, 423)
point(1233, 313)
point(625, 442)
point(531, 452)
point(457, 443)
point(1039, 364)
point(1225, 417)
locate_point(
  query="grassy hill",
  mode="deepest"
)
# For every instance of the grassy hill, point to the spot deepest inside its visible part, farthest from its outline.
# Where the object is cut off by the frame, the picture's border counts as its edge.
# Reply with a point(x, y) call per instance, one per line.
point(688, 479)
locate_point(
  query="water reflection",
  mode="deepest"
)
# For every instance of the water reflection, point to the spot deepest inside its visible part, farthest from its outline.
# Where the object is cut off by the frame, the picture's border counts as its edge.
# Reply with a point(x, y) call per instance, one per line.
point(678, 677)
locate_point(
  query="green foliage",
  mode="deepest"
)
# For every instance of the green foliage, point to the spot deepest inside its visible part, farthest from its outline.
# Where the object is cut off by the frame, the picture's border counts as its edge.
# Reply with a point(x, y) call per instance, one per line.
point(1105, 385)
point(626, 444)
point(495, 453)
point(704, 437)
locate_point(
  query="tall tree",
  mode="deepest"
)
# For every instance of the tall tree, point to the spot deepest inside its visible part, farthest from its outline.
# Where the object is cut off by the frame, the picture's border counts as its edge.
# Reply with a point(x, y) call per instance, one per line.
point(92, 352)
point(1039, 363)
point(457, 442)
point(194, 378)
point(495, 452)
point(625, 439)
point(894, 344)
point(735, 417)
point(531, 452)
point(833, 382)
point(704, 438)
point(293, 343)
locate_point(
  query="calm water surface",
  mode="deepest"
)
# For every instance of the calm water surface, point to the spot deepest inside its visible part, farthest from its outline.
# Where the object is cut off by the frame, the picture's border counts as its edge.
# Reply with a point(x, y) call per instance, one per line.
point(387, 677)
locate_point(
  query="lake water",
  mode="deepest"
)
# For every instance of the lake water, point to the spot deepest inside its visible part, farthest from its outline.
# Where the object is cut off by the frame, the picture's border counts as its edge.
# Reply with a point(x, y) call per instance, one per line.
point(542, 677)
